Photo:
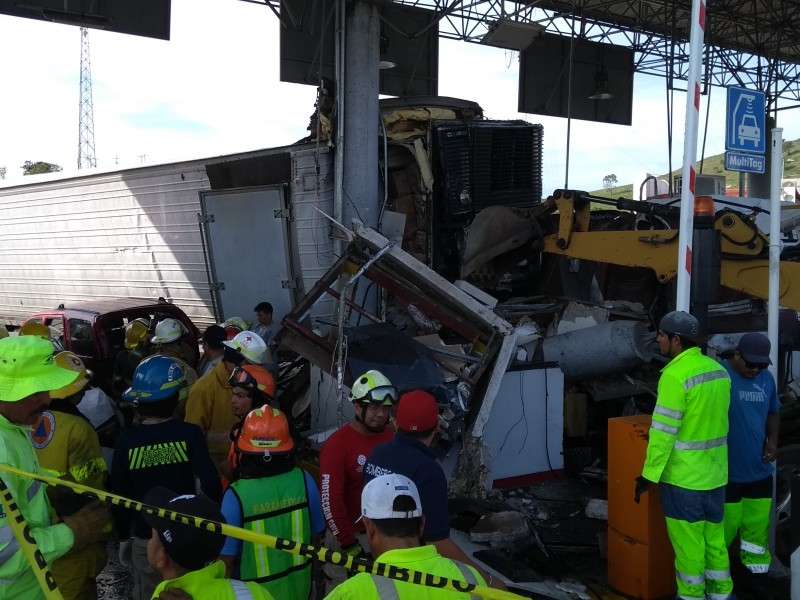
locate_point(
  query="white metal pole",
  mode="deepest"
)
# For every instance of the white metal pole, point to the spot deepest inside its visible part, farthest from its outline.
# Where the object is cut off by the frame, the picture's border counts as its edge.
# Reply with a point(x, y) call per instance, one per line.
point(773, 296)
point(682, 301)
point(773, 303)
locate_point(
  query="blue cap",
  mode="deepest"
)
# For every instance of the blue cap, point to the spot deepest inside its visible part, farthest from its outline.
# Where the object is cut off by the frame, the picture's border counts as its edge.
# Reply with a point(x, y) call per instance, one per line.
point(754, 348)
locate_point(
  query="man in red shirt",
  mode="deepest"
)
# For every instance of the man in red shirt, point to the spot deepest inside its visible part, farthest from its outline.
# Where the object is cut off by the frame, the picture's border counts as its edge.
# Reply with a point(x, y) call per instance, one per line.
point(342, 462)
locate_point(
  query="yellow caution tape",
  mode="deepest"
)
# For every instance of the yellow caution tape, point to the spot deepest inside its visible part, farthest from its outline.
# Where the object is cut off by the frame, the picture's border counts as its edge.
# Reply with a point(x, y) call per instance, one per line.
point(360, 565)
point(28, 544)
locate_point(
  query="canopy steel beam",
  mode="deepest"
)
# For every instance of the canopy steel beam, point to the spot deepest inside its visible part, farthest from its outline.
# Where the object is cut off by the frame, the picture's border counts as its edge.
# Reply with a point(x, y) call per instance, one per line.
point(750, 43)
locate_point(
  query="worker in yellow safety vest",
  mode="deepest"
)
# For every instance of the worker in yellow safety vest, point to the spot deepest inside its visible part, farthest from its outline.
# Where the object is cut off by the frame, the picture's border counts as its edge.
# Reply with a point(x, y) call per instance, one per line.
point(687, 455)
point(68, 447)
point(28, 373)
point(271, 495)
point(394, 521)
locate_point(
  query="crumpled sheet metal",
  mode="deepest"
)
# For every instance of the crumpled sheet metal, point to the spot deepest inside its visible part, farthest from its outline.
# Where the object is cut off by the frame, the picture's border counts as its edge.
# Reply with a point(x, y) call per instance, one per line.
point(471, 475)
point(413, 122)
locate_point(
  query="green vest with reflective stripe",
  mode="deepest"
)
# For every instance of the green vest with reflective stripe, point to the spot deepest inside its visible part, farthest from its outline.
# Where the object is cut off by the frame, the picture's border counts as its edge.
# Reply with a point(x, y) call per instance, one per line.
point(276, 506)
point(688, 444)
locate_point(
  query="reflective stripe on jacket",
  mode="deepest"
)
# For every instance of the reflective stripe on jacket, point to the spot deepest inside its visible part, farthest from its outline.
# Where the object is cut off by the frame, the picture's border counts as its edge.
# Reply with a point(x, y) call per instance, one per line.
point(424, 559)
point(688, 435)
point(389, 590)
point(277, 506)
point(17, 579)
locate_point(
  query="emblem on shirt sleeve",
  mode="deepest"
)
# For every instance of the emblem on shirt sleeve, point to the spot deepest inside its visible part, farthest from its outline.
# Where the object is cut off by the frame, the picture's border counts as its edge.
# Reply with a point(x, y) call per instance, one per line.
point(43, 431)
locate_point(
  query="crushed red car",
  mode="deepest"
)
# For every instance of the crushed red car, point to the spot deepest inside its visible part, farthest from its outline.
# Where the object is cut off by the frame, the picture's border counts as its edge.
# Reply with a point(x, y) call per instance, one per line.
point(95, 330)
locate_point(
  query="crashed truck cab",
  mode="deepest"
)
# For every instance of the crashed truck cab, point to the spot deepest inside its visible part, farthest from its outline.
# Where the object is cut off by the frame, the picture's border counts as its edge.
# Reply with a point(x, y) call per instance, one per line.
point(426, 333)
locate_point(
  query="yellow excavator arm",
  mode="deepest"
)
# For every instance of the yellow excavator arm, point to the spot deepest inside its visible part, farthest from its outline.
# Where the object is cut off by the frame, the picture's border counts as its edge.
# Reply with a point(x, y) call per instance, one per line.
point(743, 247)
point(658, 250)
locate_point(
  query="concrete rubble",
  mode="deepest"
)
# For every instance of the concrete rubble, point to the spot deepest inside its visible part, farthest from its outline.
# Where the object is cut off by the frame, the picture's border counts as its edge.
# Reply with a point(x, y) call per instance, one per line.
point(597, 509)
point(500, 529)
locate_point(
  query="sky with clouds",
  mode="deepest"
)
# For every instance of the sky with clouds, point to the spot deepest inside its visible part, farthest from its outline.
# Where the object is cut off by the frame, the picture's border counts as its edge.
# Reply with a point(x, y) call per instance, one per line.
point(214, 89)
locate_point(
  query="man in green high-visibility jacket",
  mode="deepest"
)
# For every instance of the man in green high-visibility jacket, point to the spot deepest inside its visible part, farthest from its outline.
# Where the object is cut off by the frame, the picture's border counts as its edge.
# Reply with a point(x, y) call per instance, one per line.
point(28, 373)
point(687, 455)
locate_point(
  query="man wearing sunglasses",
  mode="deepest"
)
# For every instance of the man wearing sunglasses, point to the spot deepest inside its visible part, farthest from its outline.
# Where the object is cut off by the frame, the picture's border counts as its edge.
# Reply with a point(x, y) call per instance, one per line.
point(752, 447)
point(687, 456)
point(341, 464)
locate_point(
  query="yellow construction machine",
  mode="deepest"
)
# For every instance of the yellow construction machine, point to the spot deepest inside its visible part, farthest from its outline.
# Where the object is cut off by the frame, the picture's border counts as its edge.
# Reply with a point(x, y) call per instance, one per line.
point(639, 235)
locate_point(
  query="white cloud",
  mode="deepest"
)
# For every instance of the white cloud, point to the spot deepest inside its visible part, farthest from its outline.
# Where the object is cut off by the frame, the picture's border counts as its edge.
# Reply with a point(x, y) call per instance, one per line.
point(214, 88)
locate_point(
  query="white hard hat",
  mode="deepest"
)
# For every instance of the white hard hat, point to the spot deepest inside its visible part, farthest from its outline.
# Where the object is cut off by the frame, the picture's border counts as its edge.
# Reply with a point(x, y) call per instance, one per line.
point(167, 331)
point(250, 346)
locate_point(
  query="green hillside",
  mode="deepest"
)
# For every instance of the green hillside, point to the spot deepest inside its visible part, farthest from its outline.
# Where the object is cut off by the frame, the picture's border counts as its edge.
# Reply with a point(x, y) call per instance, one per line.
point(715, 165)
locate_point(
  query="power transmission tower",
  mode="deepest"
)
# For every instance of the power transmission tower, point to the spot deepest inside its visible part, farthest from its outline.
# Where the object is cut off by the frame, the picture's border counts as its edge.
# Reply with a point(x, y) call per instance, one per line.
point(86, 157)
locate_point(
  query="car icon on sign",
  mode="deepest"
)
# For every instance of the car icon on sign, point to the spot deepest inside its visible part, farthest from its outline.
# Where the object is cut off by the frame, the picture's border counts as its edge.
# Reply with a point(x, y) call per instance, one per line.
point(749, 130)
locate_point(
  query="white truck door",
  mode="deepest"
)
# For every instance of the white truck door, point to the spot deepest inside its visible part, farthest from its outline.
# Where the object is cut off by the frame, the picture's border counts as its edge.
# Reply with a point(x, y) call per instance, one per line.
point(245, 239)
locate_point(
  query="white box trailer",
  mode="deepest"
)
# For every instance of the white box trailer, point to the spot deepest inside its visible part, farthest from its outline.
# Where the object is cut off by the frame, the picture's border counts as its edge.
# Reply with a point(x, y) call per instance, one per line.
point(214, 236)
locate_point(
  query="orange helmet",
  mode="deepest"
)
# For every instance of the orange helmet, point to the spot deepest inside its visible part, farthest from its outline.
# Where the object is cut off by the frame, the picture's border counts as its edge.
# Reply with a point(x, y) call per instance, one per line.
point(265, 431)
point(252, 377)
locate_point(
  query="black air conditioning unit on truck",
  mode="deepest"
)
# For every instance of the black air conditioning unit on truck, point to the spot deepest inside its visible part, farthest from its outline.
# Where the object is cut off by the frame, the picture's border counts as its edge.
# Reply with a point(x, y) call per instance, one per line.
point(476, 165)
point(486, 163)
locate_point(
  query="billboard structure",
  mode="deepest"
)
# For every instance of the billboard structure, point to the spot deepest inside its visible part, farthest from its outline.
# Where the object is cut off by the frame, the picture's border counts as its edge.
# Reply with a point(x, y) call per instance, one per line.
point(601, 85)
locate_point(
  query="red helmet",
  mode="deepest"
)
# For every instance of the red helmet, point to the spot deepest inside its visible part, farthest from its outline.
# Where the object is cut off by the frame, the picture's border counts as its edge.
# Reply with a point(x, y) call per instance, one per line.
point(265, 431)
point(252, 377)
point(233, 327)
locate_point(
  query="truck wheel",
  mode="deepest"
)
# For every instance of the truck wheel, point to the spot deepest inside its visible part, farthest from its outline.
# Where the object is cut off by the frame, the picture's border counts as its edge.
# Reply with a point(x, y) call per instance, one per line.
point(788, 467)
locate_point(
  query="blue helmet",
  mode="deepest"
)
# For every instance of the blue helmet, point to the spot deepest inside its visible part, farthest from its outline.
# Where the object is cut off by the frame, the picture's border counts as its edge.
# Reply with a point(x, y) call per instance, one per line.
point(156, 378)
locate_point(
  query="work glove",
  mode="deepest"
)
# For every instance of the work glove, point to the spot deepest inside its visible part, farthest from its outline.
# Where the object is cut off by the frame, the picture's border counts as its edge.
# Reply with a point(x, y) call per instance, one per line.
point(355, 550)
point(357, 553)
point(642, 485)
point(126, 553)
point(88, 524)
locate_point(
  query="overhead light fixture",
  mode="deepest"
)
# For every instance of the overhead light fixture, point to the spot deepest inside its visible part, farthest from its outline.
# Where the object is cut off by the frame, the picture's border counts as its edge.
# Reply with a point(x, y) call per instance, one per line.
point(600, 80)
point(383, 47)
point(514, 35)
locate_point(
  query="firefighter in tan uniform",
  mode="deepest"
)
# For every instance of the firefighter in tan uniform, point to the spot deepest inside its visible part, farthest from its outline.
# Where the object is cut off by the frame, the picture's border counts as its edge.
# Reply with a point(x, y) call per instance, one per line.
point(67, 447)
point(167, 342)
point(209, 403)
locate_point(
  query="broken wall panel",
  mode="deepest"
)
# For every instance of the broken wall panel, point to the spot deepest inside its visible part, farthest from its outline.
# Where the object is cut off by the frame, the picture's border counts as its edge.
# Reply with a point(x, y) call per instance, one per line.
point(487, 339)
point(525, 431)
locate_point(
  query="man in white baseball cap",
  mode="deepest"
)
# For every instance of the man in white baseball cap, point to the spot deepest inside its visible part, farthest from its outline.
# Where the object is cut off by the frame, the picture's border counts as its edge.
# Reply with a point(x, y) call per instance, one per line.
point(394, 521)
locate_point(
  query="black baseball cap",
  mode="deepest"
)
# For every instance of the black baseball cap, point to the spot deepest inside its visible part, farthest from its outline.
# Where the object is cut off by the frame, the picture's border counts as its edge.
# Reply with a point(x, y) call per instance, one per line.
point(190, 547)
point(214, 335)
